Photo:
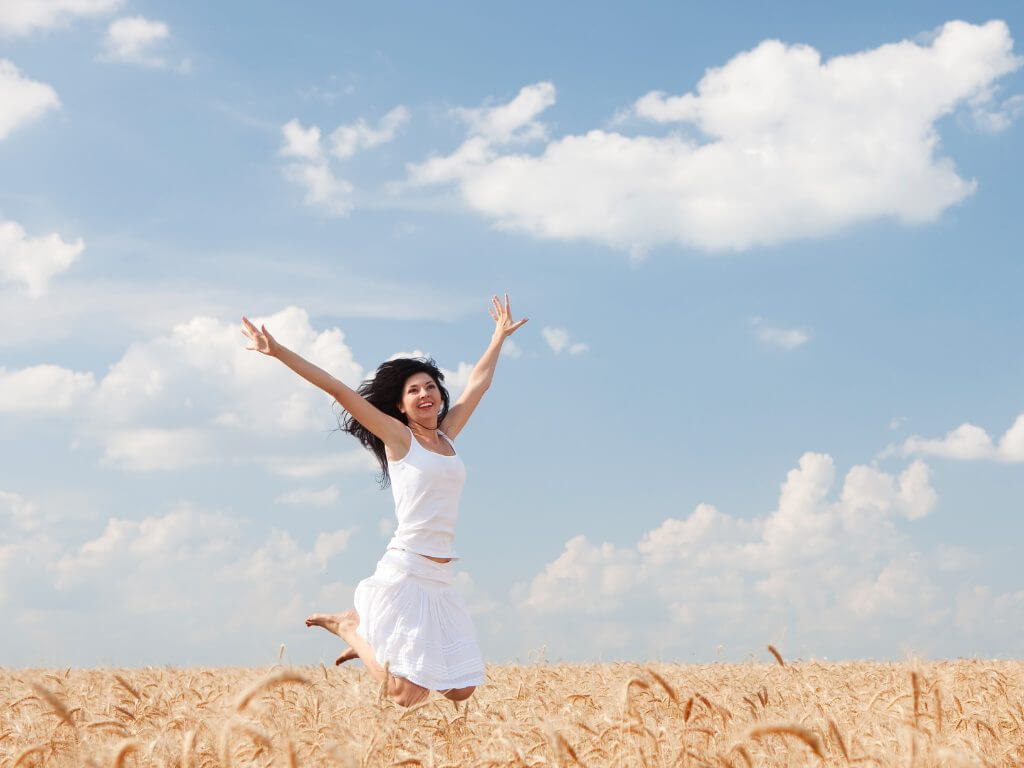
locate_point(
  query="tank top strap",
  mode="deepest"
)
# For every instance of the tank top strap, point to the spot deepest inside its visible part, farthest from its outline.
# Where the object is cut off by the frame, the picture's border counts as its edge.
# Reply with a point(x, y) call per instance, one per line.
point(450, 441)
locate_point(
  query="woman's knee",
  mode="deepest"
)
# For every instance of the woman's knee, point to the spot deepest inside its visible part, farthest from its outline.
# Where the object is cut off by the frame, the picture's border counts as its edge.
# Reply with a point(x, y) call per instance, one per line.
point(406, 694)
point(460, 694)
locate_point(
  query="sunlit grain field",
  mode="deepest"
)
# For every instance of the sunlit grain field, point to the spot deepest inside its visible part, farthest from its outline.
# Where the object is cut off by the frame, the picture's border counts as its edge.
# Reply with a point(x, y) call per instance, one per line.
point(909, 714)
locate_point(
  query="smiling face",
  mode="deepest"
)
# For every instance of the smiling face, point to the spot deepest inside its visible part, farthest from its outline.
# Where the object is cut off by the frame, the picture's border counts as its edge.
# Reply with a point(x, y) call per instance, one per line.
point(421, 399)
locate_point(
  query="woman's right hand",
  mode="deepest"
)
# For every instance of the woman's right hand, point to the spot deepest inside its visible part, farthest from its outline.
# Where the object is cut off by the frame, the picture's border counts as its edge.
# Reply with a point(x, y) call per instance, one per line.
point(260, 337)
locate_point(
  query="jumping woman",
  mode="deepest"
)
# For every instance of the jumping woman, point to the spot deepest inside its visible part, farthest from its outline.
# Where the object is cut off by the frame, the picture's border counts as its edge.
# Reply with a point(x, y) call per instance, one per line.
point(408, 618)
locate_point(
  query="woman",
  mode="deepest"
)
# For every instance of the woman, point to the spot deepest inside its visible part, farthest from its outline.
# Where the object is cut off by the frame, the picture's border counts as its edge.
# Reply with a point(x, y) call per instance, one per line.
point(407, 615)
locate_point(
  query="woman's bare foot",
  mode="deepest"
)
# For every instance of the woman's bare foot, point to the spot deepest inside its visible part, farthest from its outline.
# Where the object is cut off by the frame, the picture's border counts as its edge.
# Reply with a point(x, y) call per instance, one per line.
point(346, 656)
point(340, 624)
point(344, 626)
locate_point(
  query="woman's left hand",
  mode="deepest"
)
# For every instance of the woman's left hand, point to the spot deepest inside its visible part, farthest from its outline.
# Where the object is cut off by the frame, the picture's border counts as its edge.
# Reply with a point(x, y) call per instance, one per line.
point(502, 314)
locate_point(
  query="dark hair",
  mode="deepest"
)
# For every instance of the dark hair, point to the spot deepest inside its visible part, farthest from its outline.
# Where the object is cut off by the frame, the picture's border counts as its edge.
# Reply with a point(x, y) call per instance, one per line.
point(384, 391)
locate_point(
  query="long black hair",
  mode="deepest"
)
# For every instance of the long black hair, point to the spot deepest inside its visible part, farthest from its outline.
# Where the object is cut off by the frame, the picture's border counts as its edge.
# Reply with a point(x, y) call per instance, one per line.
point(384, 391)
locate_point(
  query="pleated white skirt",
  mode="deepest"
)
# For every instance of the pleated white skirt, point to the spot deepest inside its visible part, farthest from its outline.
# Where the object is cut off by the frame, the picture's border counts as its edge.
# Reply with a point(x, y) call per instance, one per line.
point(411, 615)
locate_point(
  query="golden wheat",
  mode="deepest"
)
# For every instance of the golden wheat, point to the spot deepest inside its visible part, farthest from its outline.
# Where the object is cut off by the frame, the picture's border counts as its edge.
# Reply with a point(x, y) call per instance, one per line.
point(650, 716)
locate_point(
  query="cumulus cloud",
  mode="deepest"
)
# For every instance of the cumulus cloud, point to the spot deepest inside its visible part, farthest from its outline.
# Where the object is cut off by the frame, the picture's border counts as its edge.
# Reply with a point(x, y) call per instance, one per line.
point(513, 122)
point(136, 40)
point(301, 142)
point(18, 17)
point(204, 577)
point(559, 341)
point(23, 99)
point(489, 127)
point(324, 190)
point(43, 388)
point(348, 139)
point(34, 261)
point(310, 167)
point(817, 563)
point(968, 442)
point(204, 362)
point(202, 370)
point(195, 396)
point(991, 116)
point(774, 145)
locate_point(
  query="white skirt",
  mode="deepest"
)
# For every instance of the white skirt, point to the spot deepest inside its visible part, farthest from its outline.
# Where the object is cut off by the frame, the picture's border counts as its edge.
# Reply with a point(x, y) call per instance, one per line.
point(417, 623)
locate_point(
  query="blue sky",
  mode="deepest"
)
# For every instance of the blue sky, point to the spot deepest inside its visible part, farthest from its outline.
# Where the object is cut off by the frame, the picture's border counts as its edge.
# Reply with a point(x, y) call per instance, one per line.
point(770, 386)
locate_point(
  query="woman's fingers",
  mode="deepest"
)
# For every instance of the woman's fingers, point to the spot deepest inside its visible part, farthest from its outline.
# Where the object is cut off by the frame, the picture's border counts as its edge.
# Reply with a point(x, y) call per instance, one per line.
point(261, 339)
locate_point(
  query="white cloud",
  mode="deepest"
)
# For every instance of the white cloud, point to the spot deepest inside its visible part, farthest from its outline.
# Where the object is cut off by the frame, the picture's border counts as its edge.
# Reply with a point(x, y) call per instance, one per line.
point(301, 142)
point(437, 170)
point(20, 17)
point(787, 338)
point(307, 497)
point(560, 341)
point(348, 139)
point(511, 350)
point(968, 442)
point(205, 360)
point(133, 38)
point(332, 194)
point(312, 170)
point(995, 118)
point(512, 122)
point(195, 396)
point(34, 261)
point(226, 589)
point(773, 146)
point(819, 564)
point(201, 373)
point(230, 582)
point(329, 544)
point(43, 388)
point(457, 380)
point(23, 99)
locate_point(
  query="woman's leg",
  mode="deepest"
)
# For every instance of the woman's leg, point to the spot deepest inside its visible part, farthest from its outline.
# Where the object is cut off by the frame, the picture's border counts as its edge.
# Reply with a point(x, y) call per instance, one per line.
point(346, 656)
point(344, 625)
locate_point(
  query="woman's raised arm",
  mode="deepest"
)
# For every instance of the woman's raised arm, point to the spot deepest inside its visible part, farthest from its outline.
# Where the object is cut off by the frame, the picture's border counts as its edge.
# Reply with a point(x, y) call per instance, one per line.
point(483, 372)
point(389, 429)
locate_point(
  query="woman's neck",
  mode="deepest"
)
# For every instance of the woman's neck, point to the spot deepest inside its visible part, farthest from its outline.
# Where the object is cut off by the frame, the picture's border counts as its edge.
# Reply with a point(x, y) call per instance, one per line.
point(422, 429)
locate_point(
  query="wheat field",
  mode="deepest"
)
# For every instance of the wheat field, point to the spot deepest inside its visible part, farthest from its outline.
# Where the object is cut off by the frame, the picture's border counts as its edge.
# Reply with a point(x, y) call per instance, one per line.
point(947, 713)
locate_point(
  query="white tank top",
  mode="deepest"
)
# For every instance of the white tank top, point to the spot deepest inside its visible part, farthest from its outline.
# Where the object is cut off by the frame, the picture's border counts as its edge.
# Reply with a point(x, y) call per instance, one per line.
point(426, 487)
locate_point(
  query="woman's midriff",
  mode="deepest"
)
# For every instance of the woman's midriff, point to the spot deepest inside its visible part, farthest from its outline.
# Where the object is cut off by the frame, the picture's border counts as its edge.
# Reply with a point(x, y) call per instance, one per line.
point(437, 559)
